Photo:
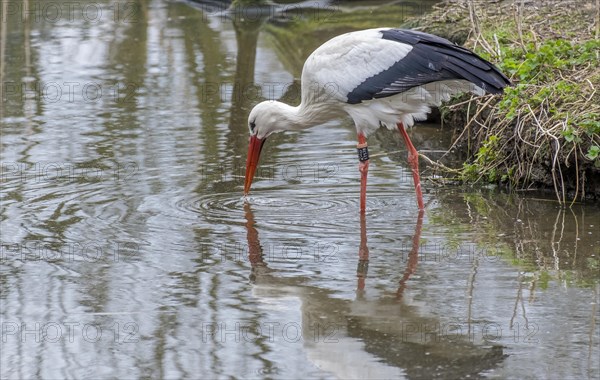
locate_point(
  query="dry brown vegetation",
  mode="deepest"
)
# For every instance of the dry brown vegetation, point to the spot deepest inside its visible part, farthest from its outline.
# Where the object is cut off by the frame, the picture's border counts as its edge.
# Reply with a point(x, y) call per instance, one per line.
point(544, 132)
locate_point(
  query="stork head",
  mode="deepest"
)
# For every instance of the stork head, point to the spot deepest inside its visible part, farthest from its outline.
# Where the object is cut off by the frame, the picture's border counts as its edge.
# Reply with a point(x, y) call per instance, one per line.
point(265, 118)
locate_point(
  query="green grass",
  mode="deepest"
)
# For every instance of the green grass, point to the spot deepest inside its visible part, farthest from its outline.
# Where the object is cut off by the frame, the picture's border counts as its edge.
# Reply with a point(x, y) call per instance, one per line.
point(544, 131)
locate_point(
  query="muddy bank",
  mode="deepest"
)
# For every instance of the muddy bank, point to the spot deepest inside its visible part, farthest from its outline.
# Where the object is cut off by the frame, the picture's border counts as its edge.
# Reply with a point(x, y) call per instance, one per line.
point(544, 132)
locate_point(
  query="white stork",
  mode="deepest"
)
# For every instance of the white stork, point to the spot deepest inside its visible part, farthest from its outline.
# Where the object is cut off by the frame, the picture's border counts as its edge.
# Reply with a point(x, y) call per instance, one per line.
point(380, 77)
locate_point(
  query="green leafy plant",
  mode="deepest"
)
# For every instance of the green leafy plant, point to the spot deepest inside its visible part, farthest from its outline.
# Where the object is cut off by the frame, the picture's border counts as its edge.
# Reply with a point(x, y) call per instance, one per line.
point(593, 152)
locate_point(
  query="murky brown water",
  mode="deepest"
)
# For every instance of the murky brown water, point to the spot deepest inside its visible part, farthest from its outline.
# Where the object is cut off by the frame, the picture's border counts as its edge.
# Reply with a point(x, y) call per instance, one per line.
point(128, 251)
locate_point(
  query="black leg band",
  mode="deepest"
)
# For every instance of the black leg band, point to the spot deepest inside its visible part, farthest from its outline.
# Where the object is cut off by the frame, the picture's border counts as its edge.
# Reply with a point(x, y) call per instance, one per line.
point(363, 152)
point(363, 267)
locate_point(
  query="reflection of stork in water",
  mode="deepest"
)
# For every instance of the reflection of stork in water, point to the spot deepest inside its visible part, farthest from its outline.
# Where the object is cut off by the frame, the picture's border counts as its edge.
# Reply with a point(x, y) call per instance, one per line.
point(363, 255)
point(255, 254)
point(371, 338)
point(378, 77)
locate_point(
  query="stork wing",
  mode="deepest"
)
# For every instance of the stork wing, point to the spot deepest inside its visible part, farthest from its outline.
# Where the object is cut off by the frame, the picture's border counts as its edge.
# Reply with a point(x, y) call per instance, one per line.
point(378, 63)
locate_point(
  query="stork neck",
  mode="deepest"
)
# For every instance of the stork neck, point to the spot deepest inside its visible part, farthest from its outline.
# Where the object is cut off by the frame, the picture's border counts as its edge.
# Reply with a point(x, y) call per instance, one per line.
point(303, 116)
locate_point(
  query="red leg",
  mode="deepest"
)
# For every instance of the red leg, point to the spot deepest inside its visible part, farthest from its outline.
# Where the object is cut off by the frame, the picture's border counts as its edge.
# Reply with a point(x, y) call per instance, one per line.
point(363, 167)
point(363, 256)
point(413, 160)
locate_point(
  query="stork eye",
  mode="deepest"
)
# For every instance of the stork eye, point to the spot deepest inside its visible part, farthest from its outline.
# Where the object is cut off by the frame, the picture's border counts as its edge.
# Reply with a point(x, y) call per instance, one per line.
point(252, 126)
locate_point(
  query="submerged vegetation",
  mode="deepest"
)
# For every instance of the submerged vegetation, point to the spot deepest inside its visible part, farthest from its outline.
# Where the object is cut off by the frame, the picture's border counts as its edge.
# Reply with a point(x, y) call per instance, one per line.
point(544, 132)
point(506, 228)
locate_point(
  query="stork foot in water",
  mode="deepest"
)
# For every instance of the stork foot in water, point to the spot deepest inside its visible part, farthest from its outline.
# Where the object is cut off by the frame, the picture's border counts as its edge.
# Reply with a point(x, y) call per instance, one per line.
point(363, 167)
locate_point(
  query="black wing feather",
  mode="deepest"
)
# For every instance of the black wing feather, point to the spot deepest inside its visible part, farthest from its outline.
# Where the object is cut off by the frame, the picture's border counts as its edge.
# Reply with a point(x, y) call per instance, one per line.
point(431, 59)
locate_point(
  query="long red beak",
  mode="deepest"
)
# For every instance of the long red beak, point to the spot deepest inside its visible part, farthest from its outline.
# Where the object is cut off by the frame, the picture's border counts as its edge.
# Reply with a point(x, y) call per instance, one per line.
point(254, 149)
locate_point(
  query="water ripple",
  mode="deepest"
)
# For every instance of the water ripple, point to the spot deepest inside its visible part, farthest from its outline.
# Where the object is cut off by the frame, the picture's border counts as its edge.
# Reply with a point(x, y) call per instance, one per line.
point(333, 208)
